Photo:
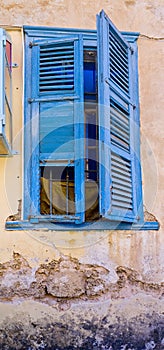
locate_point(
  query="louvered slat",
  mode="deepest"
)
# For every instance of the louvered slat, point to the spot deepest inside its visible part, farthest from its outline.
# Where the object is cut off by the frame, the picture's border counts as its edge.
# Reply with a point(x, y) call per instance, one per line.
point(118, 53)
point(119, 113)
point(122, 205)
point(53, 54)
point(116, 120)
point(119, 122)
point(57, 58)
point(57, 77)
point(56, 68)
point(121, 182)
point(116, 61)
point(59, 47)
point(122, 199)
point(120, 191)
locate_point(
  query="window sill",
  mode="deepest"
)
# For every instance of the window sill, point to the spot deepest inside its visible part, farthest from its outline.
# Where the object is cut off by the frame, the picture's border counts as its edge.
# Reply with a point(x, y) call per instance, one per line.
point(89, 226)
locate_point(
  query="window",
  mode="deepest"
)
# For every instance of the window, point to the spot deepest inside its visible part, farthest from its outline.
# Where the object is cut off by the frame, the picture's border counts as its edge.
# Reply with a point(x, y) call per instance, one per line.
point(82, 152)
point(5, 94)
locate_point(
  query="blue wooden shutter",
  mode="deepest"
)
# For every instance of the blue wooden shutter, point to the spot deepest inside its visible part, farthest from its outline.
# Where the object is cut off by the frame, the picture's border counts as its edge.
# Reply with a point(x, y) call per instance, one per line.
point(116, 125)
point(58, 75)
point(57, 112)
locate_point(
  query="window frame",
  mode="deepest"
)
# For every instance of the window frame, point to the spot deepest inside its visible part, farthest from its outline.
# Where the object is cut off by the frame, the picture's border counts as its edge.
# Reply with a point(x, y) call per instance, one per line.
point(32, 174)
point(89, 41)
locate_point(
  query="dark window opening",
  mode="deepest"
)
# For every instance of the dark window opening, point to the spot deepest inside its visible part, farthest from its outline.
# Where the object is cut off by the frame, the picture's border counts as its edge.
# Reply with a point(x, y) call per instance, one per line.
point(57, 195)
point(91, 136)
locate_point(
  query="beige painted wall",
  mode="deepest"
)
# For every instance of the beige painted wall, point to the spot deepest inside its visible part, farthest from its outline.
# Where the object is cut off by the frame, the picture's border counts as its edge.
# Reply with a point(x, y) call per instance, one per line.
point(11, 168)
point(142, 251)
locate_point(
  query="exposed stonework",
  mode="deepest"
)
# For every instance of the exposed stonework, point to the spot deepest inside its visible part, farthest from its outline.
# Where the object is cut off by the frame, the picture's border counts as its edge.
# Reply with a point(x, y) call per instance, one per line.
point(130, 280)
point(149, 216)
point(65, 278)
point(68, 279)
point(15, 277)
point(16, 216)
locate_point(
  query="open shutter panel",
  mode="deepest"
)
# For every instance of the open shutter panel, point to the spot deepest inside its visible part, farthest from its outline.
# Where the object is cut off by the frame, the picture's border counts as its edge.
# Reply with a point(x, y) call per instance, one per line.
point(59, 92)
point(117, 177)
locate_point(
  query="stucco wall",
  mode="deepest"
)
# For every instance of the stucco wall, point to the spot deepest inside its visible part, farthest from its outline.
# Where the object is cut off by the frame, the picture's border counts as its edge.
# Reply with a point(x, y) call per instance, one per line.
point(126, 269)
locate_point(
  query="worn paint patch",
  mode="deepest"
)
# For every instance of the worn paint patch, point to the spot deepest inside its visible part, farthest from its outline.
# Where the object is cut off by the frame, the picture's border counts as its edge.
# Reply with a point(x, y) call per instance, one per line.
point(130, 2)
point(9, 4)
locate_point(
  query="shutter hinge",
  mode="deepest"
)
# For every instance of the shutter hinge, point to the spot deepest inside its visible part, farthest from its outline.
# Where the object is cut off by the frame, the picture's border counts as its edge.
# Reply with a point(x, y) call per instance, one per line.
point(32, 44)
point(15, 65)
point(133, 105)
point(2, 119)
point(30, 100)
point(101, 77)
point(109, 212)
point(132, 50)
point(4, 40)
point(107, 81)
